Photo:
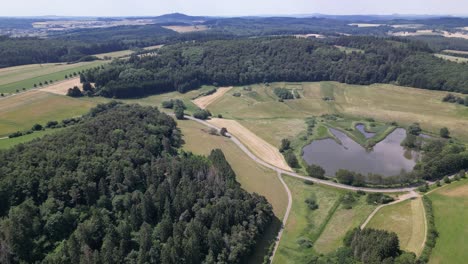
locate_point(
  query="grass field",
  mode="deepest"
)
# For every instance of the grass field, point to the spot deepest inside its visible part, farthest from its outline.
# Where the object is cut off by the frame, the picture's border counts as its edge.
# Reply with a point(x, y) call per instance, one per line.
point(451, 58)
point(342, 221)
point(450, 205)
point(383, 102)
point(26, 76)
point(407, 220)
point(21, 111)
point(323, 228)
point(10, 142)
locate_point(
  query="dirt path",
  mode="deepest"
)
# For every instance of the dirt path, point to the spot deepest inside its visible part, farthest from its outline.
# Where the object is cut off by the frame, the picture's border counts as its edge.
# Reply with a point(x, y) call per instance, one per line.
point(204, 101)
point(285, 218)
point(257, 145)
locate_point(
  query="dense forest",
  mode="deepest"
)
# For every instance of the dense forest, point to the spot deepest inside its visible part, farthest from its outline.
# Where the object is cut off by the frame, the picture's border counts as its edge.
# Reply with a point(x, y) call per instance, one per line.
point(186, 66)
point(73, 46)
point(117, 189)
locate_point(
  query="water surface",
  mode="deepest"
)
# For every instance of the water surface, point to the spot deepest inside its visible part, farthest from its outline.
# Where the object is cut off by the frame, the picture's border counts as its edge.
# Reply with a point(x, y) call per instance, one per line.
point(387, 158)
point(362, 129)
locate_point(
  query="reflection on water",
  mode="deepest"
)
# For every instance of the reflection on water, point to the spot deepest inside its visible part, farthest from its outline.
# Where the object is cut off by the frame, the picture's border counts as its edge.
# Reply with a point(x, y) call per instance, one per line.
point(388, 157)
point(362, 129)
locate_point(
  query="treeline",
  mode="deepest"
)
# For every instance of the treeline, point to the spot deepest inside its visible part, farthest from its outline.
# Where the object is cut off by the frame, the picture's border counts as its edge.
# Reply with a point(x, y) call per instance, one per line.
point(187, 66)
point(117, 189)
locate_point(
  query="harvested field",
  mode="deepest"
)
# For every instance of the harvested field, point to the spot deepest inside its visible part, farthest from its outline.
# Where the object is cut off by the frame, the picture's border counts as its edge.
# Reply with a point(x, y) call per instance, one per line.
point(187, 29)
point(257, 145)
point(451, 58)
point(61, 88)
point(459, 191)
point(204, 101)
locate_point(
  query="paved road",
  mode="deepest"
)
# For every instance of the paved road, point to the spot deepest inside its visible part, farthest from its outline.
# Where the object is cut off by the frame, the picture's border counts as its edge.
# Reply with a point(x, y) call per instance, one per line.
point(295, 175)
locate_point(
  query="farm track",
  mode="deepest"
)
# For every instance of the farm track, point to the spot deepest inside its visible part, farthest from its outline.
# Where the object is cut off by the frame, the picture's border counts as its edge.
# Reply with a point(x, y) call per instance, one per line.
point(285, 218)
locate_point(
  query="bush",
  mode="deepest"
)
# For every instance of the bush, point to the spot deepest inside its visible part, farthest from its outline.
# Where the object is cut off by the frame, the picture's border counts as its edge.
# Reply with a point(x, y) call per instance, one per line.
point(285, 145)
point(168, 104)
point(378, 198)
point(15, 135)
point(283, 93)
point(37, 127)
point(202, 114)
point(236, 94)
point(444, 132)
point(304, 242)
point(414, 129)
point(315, 171)
point(311, 203)
point(462, 174)
point(447, 179)
point(179, 112)
point(432, 233)
point(51, 124)
point(74, 92)
point(291, 159)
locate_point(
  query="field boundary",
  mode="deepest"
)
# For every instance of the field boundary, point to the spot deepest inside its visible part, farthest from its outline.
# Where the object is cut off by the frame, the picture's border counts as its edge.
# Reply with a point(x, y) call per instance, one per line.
point(285, 218)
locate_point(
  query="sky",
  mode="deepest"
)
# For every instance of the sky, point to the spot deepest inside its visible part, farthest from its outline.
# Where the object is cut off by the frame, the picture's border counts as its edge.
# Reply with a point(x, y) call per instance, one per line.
point(229, 8)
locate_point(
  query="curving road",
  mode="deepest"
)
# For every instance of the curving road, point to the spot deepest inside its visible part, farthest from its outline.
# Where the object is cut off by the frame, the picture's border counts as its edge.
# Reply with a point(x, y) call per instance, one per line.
point(295, 175)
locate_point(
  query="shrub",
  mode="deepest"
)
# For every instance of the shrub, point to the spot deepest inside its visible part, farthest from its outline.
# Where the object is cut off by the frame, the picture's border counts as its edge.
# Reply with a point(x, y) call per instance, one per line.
point(168, 104)
point(462, 174)
point(179, 112)
point(37, 127)
point(202, 114)
point(311, 203)
point(51, 124)
point(291, 159)
point(444, 132)
point(348, 200)
point(16, 134)
point(378, 198)
point(236, 94)
point(432, 233)
point(447, 179)
point(74, 92)
point(304, 242)
point(285, 145)
point(315, 171)
point(283, 93)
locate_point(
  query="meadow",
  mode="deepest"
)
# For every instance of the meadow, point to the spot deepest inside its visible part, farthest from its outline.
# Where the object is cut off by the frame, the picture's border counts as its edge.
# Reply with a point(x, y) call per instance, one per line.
point(382, 102)
point(407, 220)
point(17, 78)
point(449, 204)
point(7, 143)
point(22, 111)
point(309, 232)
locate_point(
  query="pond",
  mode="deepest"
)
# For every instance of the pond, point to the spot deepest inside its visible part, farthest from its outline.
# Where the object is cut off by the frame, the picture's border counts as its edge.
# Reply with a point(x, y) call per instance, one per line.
point(362, 129)
point(387, 158)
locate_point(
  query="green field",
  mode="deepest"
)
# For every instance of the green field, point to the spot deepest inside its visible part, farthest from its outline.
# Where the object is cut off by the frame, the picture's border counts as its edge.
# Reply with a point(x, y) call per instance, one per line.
point(26, 76)
point(323, 228)
point(450, 205)
point(407, 220)
point(21, 112)
point(451, 58)
point(10, 142)
point(383, 102)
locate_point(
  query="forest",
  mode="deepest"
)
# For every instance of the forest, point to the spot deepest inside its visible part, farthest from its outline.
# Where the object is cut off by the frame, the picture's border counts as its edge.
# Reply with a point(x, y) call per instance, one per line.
point(75, 45)
point(186, 66)
point(117, 189)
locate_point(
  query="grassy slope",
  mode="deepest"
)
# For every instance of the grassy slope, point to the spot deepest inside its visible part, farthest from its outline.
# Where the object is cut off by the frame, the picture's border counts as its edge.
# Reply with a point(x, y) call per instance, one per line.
point(450, 205)
point(10, 142)
point(406, 219)
point(26, 76)
point(20, 112)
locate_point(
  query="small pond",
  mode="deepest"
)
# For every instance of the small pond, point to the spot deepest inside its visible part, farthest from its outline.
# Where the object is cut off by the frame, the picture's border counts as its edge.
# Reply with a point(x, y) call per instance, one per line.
point(362, 129)
point(387, 158)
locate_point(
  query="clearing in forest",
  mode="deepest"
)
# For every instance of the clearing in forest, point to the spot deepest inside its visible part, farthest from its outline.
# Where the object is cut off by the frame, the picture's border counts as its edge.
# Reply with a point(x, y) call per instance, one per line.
point(204, 101)
point(186, 29)
point(257, 145)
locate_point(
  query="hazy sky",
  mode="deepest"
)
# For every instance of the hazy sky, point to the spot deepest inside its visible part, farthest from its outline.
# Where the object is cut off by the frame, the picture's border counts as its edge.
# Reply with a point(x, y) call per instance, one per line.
point(228, 8)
